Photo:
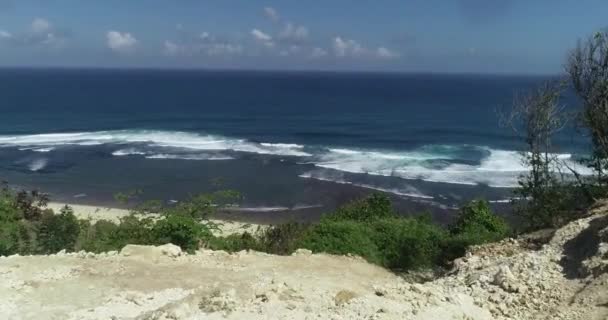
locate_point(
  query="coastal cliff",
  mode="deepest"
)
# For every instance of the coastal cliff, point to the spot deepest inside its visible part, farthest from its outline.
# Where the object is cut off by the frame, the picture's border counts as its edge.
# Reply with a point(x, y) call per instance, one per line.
point(555, 275)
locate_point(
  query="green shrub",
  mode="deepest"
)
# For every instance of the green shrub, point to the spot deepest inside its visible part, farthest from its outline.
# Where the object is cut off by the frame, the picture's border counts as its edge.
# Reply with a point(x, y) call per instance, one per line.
point(376, 206)
point(10, 238)
point(134, 230)
point(234, 242)
point(58, 232)
point(180, 230)
point(408, 243)
point(477, 221)
point(342, 237)
point(283, 238)
point(101, 236)
point(475, 224)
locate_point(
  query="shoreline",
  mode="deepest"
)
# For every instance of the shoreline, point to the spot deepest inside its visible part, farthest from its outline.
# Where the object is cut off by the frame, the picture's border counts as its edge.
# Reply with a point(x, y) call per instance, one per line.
point(96, 213)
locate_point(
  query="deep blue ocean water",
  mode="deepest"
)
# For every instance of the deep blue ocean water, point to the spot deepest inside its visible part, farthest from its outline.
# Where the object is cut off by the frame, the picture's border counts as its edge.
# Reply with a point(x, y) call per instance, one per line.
point(283, 138)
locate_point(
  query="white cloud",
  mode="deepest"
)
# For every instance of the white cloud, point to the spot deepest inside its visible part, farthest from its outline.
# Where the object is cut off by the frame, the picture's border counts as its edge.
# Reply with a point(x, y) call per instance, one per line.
point(121, 42)
point(222, 49)
point(290, 51)
point(272, 14)
point(205, 36)
point(318, 52)
point(262, 37)
point(386, 53)
point(171, 48)
point(347, 47)
point(205, 43)
point(40, 25)
point(5, 35)
point(40, 33)
point(293, 33)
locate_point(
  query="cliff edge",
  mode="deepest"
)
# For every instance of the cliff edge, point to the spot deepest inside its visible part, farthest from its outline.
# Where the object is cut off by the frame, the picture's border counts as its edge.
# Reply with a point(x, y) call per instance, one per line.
point(557, 275)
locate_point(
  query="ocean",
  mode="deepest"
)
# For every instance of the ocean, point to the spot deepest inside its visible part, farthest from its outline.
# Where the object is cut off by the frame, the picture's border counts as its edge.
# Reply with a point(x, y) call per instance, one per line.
point(295, 144)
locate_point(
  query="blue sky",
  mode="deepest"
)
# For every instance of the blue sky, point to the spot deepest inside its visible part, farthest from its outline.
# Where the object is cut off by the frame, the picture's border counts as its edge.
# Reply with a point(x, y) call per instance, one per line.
point(479, 36)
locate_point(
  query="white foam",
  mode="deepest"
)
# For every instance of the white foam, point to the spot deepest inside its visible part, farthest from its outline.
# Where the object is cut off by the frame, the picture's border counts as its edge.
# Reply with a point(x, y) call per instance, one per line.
point(189, 157)
point(500, 201)
point(43, 150)
point(409, 192)
point(173, 139)
point(282, 145)
point(38, 164)
point(260, 209)
point(128, 152)
point(500, 168)
point(435, 163)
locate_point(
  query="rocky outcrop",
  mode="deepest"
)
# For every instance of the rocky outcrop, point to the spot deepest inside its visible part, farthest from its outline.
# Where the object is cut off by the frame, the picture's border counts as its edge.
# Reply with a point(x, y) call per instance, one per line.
point(564, 278)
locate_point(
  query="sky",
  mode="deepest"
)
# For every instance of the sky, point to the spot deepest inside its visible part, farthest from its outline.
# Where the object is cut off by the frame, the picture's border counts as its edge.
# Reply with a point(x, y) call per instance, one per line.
point(453, 36)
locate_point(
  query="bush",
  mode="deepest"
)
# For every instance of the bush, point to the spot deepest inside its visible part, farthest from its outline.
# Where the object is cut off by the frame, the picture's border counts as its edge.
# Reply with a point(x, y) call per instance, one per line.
point(368, 228)
point(376, 206)
point(342, 237)
point(179, 230)
point(235, 242)
point(407, 243)
point(101, 236)
point(58, 232)
point(475, 224)
point(10, 238)
point(134, 230)
point(476, 219)
point(283, 238)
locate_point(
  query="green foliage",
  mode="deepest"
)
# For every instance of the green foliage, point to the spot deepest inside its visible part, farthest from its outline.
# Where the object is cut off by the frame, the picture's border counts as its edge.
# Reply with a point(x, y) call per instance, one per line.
point(57, 232)
point(395, 242)
point(407, 243)
point(398, 243)
point(282, 238)
point(235, 242)
point(342, 237)
point(183, 231)
point(376, 206)
point(134, 230)
point(474, 225)
point(368, 228)
point(22, 204)
point(101, 236)
point(477, 220)
point(10, 238)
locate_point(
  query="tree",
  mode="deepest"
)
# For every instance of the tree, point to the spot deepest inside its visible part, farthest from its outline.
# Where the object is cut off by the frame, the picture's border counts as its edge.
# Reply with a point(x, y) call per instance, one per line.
point(587, 67)
point(537, 116)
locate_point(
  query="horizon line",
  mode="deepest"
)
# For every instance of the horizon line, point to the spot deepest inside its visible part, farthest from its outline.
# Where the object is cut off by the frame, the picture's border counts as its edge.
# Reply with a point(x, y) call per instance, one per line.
point(270, 70)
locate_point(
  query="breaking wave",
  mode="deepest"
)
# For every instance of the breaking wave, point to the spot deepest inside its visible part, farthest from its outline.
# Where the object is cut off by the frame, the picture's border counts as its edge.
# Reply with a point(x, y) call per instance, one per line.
point(153, 138)
point(454, 164)
point(405, 192)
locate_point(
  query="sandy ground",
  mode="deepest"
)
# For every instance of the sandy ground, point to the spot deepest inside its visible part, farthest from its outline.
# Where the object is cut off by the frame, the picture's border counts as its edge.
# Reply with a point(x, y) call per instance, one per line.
point(564, 278)
point(94, 213)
